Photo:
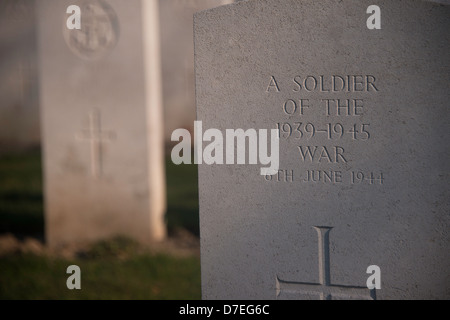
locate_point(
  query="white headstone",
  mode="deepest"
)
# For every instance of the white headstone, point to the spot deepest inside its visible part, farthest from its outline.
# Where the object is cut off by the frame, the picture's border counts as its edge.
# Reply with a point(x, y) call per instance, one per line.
point(102, 121)
point(364, 132)
point(177, 50)
point(19, 112)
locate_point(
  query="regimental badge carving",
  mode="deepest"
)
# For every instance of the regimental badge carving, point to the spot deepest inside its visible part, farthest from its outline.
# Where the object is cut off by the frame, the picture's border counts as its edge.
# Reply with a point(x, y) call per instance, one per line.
point(99, 31)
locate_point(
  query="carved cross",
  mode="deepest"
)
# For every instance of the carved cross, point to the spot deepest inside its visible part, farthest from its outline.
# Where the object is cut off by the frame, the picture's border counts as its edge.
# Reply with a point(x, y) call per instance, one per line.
point(96, 137)
point(325, 288)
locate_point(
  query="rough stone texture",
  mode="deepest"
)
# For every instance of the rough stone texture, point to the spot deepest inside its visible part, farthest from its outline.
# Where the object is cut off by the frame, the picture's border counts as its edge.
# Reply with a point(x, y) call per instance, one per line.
point(102, 121)
point(258, 239)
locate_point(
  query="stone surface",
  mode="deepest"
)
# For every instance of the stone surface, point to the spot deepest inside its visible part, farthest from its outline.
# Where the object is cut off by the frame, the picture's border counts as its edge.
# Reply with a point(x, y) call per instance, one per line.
point(382, 197)
point(19, 107)
point(102, 121)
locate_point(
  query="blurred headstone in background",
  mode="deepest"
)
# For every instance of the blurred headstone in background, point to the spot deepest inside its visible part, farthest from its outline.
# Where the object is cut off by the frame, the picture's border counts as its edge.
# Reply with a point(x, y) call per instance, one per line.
point(177, 49)
point(19, 109)
point(102, 121)
point(19, 101)
point(363, 122)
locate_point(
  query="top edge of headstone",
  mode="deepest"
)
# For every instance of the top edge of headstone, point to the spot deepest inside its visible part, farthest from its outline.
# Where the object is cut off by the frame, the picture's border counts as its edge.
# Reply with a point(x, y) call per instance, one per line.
point(238, 3)
point(219, 7)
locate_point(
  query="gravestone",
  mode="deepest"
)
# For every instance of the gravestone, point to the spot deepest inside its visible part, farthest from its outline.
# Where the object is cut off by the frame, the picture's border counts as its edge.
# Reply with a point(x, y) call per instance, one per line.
point(177, 50)
point(102, 121)
point(363, 125)
point(19, 111)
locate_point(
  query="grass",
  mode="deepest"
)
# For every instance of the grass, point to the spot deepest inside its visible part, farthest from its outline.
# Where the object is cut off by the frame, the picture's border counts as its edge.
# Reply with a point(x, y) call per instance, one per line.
point(149, 277)
point(114, 269)
point(21, 200)
point(182, 197)
point(141, 276)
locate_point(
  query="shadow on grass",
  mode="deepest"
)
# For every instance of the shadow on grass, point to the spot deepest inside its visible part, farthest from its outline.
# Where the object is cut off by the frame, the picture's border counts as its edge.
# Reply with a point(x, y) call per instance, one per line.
point(182, 197)
point(21, 200)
